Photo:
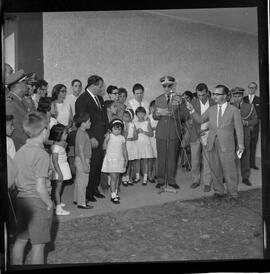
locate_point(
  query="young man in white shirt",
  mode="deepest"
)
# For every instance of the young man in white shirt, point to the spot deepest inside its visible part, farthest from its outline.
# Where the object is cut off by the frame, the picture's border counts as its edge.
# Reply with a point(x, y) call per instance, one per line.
point(76, 86)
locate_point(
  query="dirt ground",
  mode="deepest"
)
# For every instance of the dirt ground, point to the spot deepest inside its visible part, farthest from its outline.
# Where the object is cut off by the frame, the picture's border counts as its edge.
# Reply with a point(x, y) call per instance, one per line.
point(203, 229)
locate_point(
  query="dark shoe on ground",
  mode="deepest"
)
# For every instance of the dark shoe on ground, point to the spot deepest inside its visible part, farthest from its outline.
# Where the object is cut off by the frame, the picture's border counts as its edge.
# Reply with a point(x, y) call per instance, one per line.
point(99, 195)
point(159, 185)
point(174, 186)
point(74, 202)
point(85, 206)
point(125, 183)
point(115, 200)
point(136, 181)
point(151, 180)
point(247, 182)
point(207, 188)
point(254, 167)
point(218, 196)
point(195, 185)
point(91, 199)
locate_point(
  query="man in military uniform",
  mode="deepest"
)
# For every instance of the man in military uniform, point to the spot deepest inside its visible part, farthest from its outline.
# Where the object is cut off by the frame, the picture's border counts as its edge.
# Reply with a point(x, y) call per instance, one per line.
point(171, 113)
point(249, 120)
point(14, 105)
point(31, 86)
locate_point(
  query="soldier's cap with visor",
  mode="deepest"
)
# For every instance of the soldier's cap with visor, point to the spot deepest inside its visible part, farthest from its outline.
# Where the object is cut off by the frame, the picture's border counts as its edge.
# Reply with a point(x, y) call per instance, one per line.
point(167, 80)
point(237, 90)
point(16, 77)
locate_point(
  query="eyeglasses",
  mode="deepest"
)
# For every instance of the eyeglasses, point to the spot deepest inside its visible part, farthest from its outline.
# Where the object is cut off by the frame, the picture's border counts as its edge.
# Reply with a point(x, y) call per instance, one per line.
point(217, 94)
point(168, 86)
point(116, 93)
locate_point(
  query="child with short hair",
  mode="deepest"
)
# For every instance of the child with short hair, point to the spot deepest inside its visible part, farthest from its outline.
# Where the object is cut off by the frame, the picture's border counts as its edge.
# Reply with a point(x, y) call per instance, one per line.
point(34, 205)
point(131, 136)
point(83, 153)
point(116, 158)
point(61, 171)
point(145, 150)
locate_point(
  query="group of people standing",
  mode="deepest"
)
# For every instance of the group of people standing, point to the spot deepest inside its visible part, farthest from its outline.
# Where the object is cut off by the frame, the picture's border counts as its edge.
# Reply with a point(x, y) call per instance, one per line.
point(104, 143)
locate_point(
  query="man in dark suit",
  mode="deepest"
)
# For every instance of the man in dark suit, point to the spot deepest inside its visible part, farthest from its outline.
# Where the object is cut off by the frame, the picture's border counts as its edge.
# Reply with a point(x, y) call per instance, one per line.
point(200, 169)
point(249, 120)
point(171, 114)
point(255, 100)
point(91, 102)
point(224, 121)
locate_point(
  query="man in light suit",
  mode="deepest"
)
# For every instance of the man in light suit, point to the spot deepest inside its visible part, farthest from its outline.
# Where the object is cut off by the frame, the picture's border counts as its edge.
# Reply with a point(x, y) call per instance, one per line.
point(172, 115)
point(198, 138)
point(91, 102)
point(255, 100)
point(223, 119)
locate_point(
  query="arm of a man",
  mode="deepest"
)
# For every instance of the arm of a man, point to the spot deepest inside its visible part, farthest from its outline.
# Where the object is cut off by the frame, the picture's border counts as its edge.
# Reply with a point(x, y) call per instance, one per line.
point(238, 125)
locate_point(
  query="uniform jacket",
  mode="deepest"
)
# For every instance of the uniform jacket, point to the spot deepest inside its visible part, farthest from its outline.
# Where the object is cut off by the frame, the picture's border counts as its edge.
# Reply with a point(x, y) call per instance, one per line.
point(29, 104)
point(196, 127)
point(256, 103)
point(172, 126)
point(98, 118)
point(231, 121)
point(16, 107)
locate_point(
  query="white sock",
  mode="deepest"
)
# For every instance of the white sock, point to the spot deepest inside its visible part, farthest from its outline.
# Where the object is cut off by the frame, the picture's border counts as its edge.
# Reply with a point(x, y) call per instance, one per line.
point(137, 176)
point(145, 176)
point(113, 195)
point(127, 177)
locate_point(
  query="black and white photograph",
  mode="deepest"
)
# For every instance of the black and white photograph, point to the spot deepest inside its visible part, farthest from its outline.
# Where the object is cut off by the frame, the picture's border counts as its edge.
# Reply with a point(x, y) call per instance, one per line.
point(134, 136)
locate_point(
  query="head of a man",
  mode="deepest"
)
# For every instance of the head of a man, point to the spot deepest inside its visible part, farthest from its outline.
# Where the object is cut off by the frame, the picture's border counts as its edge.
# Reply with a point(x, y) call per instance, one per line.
point(138, 91)
point(237, 95)
point(95, 84)
point(202, 92)
point(220, 94)
point(167, 83)
point(76, 86)
point(252, 87)
point(112, 92)
point(42, 88)
point(122, 95)
point(17, 83)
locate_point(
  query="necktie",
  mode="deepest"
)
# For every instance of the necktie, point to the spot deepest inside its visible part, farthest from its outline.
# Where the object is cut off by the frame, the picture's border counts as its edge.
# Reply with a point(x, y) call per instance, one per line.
point(97, 102)
point(219, 116)
point(168, 98)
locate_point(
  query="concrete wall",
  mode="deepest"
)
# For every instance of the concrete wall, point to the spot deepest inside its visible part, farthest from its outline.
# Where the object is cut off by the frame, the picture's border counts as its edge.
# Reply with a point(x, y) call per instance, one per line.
point(133, 46)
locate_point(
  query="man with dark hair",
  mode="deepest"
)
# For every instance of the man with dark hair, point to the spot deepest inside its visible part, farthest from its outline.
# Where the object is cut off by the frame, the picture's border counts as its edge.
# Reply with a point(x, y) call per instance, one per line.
point(255, 100)
point(198, 136)
point(40, 91)
point(224, 121)
point(112, 92)
point(92, 103)
point(76, 86)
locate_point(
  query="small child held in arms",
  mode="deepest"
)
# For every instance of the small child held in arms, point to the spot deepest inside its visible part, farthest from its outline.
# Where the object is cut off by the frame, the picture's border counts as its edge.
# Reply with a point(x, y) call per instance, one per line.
point(145, 150)
point(116, 158)
point(131, 136)
point(61, 171)
point(83, 153)
point(34, 205)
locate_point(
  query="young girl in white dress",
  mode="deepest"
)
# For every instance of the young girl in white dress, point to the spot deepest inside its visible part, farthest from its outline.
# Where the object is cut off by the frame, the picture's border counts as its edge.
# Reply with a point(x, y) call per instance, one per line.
point(61, 170)
point(152, 161)
point(116, 158)
point(131, 136)
point(145, 150)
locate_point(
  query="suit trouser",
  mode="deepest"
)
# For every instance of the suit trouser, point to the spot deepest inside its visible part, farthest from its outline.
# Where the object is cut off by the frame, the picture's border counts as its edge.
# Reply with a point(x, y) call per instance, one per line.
point(200, 163)
point(245, 159)
point(222, 164)
point(95, 171)
point(171, 155)
point(253, 144)
point(81, 181)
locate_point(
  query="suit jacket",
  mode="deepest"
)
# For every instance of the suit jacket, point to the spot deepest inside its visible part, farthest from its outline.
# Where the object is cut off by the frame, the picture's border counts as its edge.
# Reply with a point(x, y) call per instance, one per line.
point(196, 127)
point(176, 126)
point(231, 121)
point(256, 103)
point(15, 107)
point(98, 118)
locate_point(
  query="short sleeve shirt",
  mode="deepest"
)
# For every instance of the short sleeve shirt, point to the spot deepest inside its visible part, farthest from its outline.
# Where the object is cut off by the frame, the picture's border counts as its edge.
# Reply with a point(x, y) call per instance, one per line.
point(82, 138)
point(32, 162)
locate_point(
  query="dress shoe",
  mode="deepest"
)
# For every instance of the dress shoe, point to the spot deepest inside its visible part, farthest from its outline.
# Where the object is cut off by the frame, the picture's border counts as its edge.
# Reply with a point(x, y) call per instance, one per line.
point(115, 200)
point(85, 206)
point(99, 195)
point(247, 182)
point(158, 185)
point(91, 199)
point(254, 167)
point(176, 186)
point(74, 202)
point(195, 185)
point(207, 188)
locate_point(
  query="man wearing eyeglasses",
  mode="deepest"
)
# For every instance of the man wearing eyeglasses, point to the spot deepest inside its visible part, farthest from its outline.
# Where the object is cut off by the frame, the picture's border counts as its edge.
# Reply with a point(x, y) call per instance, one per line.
point(172, 114)
point(252, 98)
point(223, 119)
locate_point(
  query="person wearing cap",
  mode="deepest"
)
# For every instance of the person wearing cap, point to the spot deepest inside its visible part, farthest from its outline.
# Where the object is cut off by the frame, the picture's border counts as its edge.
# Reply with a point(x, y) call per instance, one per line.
point(8, 71)
point(171, 113)
point(91, 101)
point(224, 123)
point(252, 98)
point(249, 120)
point(31, 86)
point(16, 83)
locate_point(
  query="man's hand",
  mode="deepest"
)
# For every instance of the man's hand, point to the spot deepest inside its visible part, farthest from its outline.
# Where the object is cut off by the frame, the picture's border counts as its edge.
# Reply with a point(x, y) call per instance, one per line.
point(94, 142)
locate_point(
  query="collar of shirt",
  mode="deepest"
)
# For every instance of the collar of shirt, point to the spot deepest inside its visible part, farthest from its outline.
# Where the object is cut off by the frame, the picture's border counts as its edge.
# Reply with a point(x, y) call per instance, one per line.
point(32, 142)
point(94, 97)
point(251, 97)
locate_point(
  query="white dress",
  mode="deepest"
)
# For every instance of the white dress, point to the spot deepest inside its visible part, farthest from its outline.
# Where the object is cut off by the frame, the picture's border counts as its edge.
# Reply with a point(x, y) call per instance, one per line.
point(153, 139)
point(143, 143)
point(63, 112)
point(62, 162)
point(132, 148)
point(114, 160)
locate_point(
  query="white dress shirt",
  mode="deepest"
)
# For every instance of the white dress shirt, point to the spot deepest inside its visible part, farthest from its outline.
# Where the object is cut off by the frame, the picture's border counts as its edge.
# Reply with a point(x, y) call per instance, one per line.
point(71, 99)
point(251, 97)
point(223, 107)
point(95, 98)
